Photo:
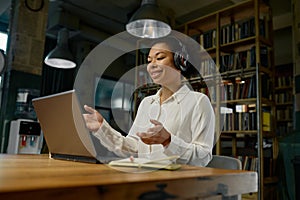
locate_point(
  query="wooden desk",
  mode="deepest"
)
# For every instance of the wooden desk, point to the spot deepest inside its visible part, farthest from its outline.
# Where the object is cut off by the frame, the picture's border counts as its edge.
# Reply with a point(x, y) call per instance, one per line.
point(38, 177)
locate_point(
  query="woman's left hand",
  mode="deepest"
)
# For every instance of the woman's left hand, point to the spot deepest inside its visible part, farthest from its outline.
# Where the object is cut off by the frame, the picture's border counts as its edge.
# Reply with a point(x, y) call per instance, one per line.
point(156, 135)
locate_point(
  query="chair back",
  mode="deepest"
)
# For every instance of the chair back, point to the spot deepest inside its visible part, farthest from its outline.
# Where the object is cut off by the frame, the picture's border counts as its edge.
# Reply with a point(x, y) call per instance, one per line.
point(225, 162)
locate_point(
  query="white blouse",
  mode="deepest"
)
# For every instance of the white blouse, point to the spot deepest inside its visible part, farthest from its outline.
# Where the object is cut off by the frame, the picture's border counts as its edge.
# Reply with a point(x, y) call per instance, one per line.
point(187, 115)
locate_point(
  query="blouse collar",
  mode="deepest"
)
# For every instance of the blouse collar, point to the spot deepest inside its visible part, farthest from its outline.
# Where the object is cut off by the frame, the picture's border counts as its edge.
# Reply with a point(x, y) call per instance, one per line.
point(177, 96)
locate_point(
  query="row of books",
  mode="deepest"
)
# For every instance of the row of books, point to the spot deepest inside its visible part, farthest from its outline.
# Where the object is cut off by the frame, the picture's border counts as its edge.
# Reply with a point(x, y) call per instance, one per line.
point(244, 118)
point(240, 30)
point(239, 89)
point(238, 60)
point(243, 59)
point(250, 163)
point(207, 67)
point(235, 61)
point(208, 39)
point(283, 97)
point(283, 81)
point(240, 121)
point(232, 32)
point(245, 88)
point(284, 113)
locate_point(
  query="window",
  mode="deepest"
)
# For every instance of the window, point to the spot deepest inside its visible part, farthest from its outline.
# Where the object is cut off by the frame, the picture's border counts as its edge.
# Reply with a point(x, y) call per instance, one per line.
point(114, 95)
point(113, 100)
point(3, 41)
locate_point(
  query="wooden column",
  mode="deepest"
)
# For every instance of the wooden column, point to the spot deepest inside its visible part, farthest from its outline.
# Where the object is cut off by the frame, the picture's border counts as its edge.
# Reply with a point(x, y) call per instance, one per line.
point(26, 40)
point(27, 35)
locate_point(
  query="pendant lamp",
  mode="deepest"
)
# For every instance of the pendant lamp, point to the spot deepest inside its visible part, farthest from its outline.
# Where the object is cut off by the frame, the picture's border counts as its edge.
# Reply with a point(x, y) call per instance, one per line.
point(148, 21)
point(60, 56)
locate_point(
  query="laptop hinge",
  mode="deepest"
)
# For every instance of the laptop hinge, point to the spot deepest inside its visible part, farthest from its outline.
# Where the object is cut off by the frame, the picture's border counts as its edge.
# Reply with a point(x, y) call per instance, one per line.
point(74, 158)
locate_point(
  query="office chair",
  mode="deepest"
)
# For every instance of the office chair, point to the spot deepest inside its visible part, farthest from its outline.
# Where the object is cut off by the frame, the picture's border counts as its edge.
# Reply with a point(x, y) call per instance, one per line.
point(226, 162)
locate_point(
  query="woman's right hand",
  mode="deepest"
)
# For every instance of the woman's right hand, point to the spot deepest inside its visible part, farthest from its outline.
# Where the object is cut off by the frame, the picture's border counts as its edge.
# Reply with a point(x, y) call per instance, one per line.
point(93, 119)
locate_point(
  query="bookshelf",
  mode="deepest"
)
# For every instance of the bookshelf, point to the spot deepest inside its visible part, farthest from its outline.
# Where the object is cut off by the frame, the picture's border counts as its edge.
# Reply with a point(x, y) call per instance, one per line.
point(284, 98)
point(239, 40)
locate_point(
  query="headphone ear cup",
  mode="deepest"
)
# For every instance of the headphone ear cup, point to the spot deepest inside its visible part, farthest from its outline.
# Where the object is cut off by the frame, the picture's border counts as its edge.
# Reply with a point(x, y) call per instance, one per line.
point(180, 62)
point(176, 61)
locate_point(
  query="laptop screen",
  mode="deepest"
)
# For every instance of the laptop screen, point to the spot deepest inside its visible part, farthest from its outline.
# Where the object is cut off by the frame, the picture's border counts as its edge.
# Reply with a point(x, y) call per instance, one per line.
point(63, 126)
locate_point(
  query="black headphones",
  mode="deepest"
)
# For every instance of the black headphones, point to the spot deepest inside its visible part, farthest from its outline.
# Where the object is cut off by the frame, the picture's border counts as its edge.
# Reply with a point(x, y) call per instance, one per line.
point(181, 58)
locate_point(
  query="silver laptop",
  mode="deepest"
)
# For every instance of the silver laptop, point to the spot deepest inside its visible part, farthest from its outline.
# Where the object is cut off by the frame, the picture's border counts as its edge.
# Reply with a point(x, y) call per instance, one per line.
point(63, 126)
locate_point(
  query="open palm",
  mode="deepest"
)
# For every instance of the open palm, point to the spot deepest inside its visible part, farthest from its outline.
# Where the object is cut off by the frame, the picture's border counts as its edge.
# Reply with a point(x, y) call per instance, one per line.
point(93, 119)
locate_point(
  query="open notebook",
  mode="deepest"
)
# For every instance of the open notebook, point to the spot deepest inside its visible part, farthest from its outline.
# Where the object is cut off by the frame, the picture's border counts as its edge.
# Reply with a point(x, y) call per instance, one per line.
point(163, 163)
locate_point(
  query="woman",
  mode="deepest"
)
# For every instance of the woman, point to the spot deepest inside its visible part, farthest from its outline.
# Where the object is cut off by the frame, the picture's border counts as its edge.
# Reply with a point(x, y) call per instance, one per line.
point(174, 121)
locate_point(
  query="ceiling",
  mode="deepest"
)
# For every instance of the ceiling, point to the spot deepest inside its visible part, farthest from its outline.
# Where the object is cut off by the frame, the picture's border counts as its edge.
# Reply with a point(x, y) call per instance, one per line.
point(101, 18)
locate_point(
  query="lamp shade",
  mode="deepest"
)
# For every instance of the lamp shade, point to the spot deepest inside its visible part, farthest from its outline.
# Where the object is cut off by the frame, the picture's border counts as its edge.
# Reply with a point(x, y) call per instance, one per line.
point(60, 56)
point(148, 21)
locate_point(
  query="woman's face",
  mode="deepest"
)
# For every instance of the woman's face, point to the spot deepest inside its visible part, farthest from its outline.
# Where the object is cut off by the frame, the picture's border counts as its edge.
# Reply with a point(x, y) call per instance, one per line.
point(161, 66)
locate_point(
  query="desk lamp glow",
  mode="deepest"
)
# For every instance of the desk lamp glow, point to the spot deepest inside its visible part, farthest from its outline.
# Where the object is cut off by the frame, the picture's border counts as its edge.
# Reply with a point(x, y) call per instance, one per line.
point(148, 21)
point(60, 56)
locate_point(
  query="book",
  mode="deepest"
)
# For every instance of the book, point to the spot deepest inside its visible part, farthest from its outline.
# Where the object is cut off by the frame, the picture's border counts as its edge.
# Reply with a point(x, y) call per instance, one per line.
point(209, 39)
point(266, 121)
point(264, 57)
point(163, 163)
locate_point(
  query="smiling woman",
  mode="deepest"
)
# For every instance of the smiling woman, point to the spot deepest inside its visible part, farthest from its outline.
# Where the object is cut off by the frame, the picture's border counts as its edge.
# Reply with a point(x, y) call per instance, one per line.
point(174, 121)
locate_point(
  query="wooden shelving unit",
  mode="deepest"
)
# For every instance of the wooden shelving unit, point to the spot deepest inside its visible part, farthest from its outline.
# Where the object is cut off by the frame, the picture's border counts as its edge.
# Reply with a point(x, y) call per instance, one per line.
point(239, 40)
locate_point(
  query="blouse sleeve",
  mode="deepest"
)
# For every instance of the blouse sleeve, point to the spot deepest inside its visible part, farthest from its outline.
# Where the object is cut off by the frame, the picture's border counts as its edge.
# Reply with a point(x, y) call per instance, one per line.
point(115, 142)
